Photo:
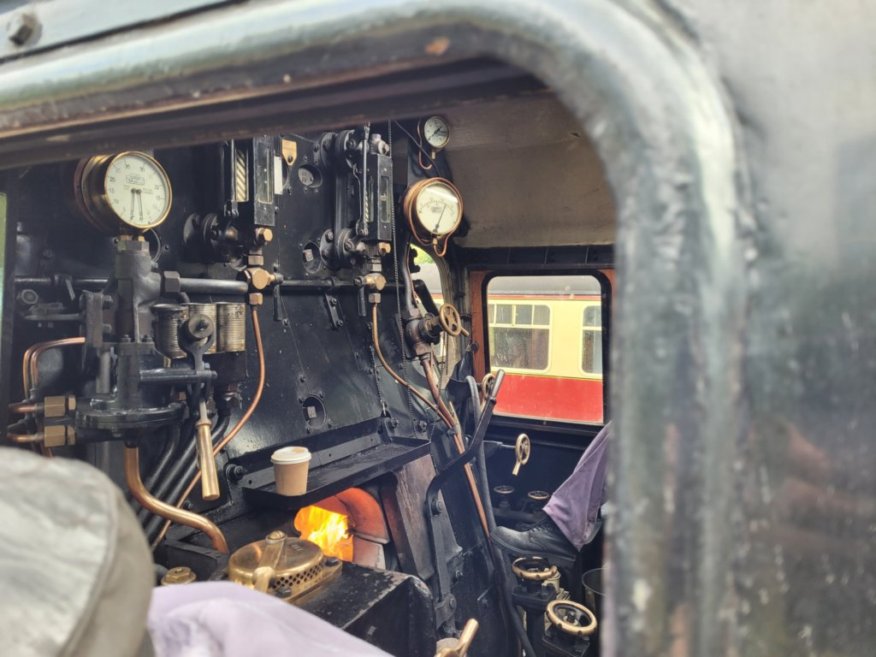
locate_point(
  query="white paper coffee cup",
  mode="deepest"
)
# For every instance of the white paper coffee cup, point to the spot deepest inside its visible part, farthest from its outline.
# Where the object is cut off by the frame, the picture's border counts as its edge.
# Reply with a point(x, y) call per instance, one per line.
point(291, 465)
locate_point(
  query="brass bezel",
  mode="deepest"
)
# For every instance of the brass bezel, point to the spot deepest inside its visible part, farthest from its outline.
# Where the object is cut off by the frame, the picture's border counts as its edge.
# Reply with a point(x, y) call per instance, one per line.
point(90, 191)
point(442, 118)
point(409, 205)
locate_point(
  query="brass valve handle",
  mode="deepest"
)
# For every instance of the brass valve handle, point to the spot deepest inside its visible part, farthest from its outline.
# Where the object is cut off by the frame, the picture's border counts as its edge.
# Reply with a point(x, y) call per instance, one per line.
point(533, 569)
point(264, 572)
point(522, 451)
point(568, 616)
point(206, 460)
point(450, 320)
point(463, 643)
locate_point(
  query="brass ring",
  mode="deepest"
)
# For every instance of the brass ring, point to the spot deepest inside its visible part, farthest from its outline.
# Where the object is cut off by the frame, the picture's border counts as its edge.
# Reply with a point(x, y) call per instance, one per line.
point(487, 384)
point(450, 320)
point(533, 569)
point(567, 627)
point(522, 449)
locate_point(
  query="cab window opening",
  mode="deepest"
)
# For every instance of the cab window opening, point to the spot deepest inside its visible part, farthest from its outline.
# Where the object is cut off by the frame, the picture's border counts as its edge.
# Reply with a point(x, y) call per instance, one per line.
point(545, 331)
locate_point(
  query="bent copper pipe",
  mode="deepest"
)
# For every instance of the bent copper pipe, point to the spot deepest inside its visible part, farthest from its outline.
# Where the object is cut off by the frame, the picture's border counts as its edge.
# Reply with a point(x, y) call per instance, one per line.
point(153, 504)
point(34, 354)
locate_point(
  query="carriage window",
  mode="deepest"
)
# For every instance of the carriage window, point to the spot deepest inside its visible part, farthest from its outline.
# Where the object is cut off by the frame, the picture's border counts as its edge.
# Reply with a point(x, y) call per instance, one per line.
point(521, 343)
point(591, 346)
point(535, 326)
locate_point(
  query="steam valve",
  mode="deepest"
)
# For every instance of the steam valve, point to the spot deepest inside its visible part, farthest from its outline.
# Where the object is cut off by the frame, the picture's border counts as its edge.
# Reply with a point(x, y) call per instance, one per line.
point(522, 451)
point(570, 625)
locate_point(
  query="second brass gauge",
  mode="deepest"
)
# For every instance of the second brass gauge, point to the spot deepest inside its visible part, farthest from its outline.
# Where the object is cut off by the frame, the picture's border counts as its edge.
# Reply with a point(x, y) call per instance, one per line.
point(127, 192)
point(433, 208)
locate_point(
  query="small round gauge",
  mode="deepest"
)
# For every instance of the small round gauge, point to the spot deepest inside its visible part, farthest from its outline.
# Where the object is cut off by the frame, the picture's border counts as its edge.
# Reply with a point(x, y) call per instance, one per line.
point(436, 132)
point(129, 191)
point(434, 205)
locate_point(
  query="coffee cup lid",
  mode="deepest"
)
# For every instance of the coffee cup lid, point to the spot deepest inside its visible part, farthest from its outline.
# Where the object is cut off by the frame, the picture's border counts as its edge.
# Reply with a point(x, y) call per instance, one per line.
point(293, 454)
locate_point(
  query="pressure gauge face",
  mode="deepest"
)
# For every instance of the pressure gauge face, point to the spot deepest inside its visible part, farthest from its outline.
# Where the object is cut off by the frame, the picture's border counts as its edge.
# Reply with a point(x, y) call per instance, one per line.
point(435, 205)
point(436, 132)
point(129, 191)
point(137, 190)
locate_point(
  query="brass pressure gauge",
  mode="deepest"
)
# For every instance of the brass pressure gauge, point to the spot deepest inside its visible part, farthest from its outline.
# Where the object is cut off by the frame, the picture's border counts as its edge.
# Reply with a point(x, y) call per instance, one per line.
point(128, 191)
point(433, 207)
point(436, 132)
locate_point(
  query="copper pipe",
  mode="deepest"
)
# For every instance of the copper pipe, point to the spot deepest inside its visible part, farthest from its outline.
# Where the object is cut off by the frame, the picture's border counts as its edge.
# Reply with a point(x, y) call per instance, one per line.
point(153, 504)
point(24, 408)
point(256, 398)
point(436, 395)
point(256, 329)
point(29, 379)
point(37, 350)
point(25, 370)
point(460, 447)
point(24, 438)
point(440, 410)
point(391, 372)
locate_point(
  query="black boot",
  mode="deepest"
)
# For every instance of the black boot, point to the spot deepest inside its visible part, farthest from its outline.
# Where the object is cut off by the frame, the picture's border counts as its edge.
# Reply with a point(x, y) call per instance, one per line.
point(543, 539)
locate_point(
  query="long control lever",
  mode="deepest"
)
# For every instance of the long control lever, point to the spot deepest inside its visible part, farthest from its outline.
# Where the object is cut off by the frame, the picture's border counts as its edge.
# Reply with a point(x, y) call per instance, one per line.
point(443, 596)
point(199, 332)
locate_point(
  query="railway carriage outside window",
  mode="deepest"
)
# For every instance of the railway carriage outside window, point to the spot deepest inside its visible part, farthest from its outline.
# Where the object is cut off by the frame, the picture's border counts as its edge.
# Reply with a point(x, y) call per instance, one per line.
point(520, 335)
point(591, 345)
point(546, 332)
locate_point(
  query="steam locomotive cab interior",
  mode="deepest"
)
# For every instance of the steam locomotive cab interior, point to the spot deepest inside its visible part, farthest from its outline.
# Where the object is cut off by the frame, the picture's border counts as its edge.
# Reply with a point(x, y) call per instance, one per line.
point(421, 299)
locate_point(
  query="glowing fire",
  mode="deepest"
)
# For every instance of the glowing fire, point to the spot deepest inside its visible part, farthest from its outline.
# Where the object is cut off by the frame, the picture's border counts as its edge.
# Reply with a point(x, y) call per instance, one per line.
point(328, 530)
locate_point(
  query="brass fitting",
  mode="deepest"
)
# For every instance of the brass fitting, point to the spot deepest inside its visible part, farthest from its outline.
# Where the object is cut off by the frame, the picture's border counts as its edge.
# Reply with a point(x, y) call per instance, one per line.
point(255, 298)
point(264, 235)
point(55, 406)
point(384, 248)
point(178, 575)
point(58, 435)
point(259, 278)
point(374, 281)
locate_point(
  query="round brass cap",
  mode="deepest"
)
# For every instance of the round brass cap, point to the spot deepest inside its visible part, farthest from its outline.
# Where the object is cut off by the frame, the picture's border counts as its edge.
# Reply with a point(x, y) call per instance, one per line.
point(280, 556)
point(178, 575)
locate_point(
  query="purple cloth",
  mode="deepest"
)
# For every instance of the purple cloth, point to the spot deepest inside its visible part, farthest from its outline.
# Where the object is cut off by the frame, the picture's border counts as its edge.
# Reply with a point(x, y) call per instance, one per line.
point(221, 619)
point(574, 506)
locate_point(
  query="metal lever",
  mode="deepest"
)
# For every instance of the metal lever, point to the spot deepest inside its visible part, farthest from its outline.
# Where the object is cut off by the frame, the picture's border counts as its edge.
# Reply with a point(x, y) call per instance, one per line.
point(209, 476)
point(522, 451)
point(463, 643)
point(201, 333)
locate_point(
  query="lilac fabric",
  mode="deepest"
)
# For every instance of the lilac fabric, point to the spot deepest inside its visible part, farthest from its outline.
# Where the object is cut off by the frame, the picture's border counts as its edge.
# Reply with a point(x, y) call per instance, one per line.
point(222, 619)
point(574, 506)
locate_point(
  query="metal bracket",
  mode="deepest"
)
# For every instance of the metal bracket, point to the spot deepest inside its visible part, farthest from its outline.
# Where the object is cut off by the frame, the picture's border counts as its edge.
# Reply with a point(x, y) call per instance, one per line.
point(334, 310)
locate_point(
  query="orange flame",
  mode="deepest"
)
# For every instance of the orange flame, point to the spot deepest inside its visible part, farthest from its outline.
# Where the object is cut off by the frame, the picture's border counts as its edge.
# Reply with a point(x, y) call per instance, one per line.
point(327, 529)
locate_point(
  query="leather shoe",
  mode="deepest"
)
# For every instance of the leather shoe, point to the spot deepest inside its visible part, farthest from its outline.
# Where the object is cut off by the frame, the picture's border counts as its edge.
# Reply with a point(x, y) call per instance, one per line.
point(543, 539)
